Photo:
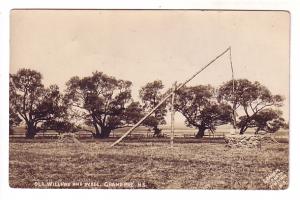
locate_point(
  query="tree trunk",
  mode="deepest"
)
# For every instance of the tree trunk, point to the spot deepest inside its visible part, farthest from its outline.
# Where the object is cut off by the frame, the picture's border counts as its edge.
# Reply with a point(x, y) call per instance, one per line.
point(30, 130)
point(105, 132)
point(97, 132)
point(243, 130)
point(201, 131)
point(157, 131)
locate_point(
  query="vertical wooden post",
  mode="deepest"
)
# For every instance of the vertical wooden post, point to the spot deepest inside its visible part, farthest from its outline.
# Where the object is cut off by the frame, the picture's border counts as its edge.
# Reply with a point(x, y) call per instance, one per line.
point(233, 91)
point(172, 114)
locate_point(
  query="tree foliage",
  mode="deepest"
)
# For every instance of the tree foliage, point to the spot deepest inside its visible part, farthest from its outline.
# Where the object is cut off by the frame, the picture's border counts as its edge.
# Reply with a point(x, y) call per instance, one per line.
point(14, 119)
point(103, 102)
point(201, 110)
point(33, 103)
point(267, 120)
point(151, 95)
point(250, 98)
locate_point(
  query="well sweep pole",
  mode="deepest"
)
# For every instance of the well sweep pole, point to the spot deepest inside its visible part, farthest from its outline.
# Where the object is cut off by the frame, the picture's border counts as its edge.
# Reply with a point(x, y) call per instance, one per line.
point(172, 114)
point(167, 96)
point(141, 120)
point(233, 92)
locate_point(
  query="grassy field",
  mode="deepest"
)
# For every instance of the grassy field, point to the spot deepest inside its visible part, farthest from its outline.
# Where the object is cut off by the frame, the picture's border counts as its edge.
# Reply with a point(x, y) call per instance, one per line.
point(144, 165)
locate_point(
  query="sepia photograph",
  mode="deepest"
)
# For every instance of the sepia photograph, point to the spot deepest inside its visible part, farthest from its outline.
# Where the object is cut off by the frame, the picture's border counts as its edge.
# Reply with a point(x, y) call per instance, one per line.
point(149, 99)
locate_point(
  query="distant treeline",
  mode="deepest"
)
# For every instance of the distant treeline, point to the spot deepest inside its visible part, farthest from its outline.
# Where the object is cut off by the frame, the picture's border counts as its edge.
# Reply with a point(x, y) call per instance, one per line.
point(104, 103)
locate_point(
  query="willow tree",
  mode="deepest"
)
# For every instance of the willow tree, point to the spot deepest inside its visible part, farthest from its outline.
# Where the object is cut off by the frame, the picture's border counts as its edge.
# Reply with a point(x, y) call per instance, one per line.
point(251, 99)
point(35, 105)
point(267, 121)
point(200, 108)
point(102, 102)
point(151, 95)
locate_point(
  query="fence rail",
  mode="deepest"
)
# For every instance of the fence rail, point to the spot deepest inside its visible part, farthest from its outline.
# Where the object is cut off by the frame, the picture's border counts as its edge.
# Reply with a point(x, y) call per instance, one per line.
point(141, 134)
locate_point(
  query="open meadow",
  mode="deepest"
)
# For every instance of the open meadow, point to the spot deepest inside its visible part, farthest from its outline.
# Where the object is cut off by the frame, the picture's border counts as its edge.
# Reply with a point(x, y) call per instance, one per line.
point(35, 164)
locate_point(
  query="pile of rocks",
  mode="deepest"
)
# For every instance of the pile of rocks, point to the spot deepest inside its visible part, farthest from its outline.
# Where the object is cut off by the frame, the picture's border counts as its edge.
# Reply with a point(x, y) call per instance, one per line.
point(247, 141)
point(243, 141)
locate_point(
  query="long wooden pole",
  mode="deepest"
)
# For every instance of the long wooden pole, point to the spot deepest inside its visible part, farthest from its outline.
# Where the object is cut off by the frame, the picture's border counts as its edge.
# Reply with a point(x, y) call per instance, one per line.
point(233, 91)
point(141, 120)
point(173, 114)
point(167, 96)
point(203, 68)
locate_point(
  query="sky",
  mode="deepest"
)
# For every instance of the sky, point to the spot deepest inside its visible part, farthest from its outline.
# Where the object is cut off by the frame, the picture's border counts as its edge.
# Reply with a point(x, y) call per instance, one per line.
point(147, 45)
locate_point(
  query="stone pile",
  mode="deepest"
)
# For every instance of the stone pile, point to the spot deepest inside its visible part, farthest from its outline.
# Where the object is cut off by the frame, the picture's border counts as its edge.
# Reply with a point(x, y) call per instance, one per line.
point(243, 141)
point(246, 141)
